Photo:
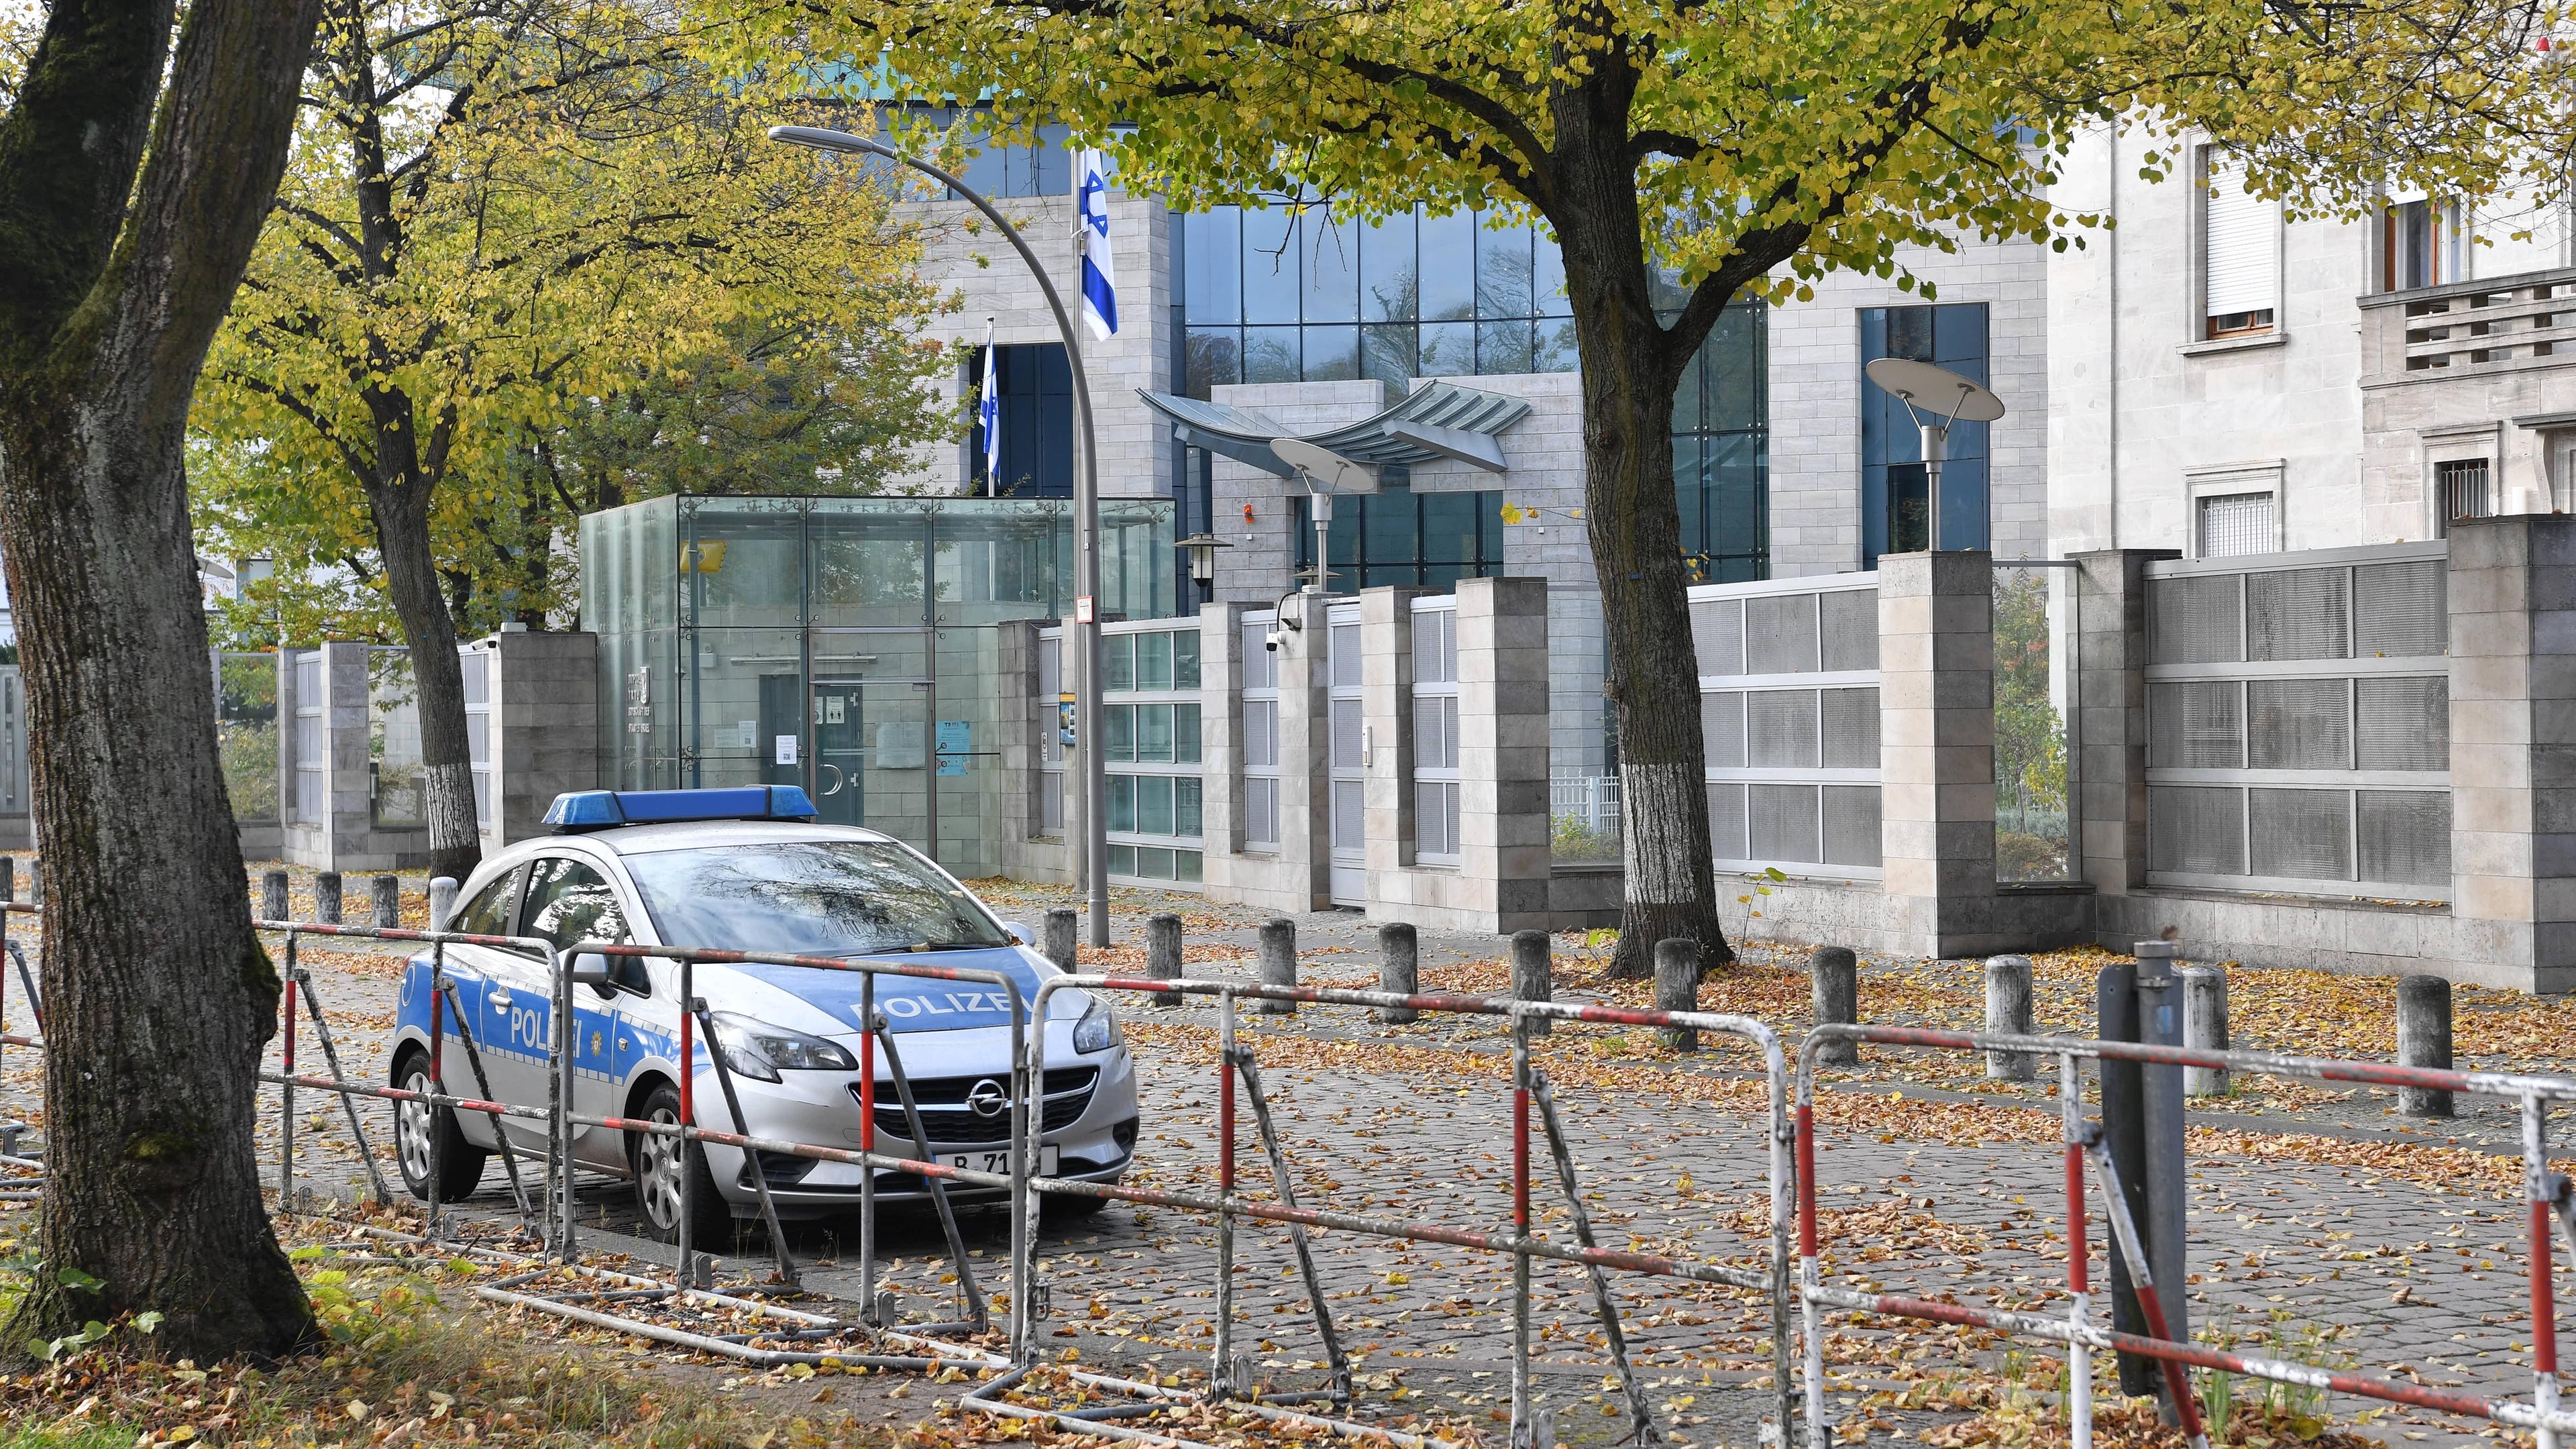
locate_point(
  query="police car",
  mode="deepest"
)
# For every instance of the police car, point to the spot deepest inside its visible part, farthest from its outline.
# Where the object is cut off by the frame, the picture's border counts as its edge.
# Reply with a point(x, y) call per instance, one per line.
point(747, 869)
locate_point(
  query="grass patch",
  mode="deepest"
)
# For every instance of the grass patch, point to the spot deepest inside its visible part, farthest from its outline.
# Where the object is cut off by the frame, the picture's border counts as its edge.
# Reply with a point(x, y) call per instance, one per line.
point(413, 1360)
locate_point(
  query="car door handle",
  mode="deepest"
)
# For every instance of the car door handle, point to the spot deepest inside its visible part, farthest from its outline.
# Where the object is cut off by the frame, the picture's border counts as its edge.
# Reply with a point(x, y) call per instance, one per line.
point(499, 997)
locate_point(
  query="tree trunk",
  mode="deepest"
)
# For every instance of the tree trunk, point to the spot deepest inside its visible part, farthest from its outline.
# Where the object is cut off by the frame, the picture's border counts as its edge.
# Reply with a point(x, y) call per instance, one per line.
point(401, 510)
point(158, 995)
point(1630, 368)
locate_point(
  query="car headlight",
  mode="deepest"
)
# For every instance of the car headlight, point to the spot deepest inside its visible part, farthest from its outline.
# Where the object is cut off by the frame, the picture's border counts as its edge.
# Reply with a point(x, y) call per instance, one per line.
point(756, 1049)
point(1097, 1031)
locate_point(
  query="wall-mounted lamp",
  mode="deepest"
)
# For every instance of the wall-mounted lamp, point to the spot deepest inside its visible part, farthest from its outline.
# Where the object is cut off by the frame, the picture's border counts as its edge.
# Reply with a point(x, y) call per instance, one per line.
point(1202, 547)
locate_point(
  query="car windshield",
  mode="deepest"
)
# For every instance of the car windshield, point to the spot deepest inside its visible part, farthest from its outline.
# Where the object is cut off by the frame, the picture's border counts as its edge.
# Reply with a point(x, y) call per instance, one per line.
point(808, 898)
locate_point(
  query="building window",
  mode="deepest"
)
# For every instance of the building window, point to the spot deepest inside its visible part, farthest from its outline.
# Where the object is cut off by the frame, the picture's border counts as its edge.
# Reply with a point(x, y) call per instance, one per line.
point(2232, 524)
point(1037, 422)
point(1398, 536)
point(1721, 439)
point(1895, 493)
point(2239, 250)
point(2421, 244)
point(2466, 489)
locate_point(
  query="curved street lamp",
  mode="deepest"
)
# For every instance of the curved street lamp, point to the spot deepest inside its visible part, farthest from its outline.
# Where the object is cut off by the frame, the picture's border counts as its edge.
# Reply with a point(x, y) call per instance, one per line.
point(1086, 522)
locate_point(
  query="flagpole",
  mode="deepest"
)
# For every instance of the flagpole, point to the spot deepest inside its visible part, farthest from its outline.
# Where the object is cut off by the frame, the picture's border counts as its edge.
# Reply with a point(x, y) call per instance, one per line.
point(1094, 855)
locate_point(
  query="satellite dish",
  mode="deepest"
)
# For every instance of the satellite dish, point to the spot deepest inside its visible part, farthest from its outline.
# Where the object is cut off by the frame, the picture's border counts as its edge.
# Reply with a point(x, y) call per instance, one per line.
point(1935, 390)
point(1324, 470)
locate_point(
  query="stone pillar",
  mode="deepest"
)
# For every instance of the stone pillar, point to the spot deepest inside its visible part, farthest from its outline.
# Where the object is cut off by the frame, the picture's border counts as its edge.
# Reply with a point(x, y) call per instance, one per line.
point(1505, 872)
point(1937, 752)
point(2512, 593)
point(1386, 716)
point(1221, 738)
point(2110, 725)
point(543, 730)
point(1305, 755)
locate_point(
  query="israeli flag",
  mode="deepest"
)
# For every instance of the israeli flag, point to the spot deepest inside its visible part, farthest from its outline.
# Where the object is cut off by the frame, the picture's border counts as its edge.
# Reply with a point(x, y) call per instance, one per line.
point(1099, 278)
point(988, 411)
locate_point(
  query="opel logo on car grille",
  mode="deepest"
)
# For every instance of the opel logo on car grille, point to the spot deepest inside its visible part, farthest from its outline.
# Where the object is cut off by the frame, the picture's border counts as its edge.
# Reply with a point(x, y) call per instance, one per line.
point(987, 1099)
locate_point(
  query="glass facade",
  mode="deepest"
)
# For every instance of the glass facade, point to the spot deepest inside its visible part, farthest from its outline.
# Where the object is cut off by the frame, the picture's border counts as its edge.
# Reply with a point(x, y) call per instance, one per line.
point(848, 645)
point(1895, 508)
point(1297, 294)
point(1398, 536)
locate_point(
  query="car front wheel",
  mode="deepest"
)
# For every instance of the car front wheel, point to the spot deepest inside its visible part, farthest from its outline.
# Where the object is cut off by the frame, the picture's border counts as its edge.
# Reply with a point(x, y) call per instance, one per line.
point(659, 1163)
point(427, 1141)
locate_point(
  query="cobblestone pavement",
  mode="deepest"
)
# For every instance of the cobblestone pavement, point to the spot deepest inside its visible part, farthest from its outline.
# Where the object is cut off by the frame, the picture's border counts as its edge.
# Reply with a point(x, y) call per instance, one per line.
point(2403, 1256)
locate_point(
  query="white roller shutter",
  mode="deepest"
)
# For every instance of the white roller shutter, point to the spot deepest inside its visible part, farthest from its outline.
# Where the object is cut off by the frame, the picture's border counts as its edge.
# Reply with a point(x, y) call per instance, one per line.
point(2239, 235)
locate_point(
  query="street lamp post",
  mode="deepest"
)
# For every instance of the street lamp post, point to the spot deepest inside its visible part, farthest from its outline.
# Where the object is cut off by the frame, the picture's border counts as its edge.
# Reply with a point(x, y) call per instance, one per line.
point(1086, 522)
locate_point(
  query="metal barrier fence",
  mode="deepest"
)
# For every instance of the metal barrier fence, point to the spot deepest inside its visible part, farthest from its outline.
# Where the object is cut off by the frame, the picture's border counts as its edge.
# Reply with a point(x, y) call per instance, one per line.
point(2546, 1192)
point(1231, 1380)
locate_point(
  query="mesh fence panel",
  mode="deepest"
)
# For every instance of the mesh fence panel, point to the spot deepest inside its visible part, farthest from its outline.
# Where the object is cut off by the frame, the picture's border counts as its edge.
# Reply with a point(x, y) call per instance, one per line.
point(2405, 724)
point(1851, 825)
point(1435, 732)
point(1780, 729)
point(2198, 829)
point(1261, 811)
point(2405, 836)
point(2300, 834)
point(1721, 722)
point(1850, 633)
point(1261, 734)
point(1783, 823)
point(1717, 635)
point(2298, 724)
point(2399, 611)
point(1435, 814)
point(1260, 666)
point(1435, 646)
point(1348, 798)
point(2297, 614)
point(1346, 655)
point(1346, 734)
point(1780, 634)
point(1850, 728)
point(2196, 620)
point(1726, 822)
point(2195, 725)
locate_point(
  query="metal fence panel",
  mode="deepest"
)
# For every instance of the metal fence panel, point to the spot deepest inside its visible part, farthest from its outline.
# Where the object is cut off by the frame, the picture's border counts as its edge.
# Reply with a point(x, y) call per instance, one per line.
point(2299, 834)
point(2298, 614)
point(1779, 634)
point(1793, 767)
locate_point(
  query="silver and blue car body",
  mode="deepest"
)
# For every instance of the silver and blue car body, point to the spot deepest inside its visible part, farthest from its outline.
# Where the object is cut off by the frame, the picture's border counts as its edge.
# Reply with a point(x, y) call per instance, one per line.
point(954, 1038)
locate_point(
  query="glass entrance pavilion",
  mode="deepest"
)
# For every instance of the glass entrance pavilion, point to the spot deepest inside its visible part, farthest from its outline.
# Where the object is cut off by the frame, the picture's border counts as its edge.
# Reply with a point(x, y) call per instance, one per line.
point(848, 645)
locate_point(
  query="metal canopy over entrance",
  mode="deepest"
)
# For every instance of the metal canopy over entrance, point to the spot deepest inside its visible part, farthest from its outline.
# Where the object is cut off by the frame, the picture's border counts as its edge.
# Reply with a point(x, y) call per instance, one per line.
point(1437, 421)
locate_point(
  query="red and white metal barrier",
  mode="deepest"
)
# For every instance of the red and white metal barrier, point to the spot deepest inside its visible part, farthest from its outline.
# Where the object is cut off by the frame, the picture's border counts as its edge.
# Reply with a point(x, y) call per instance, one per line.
point(2547, 1194)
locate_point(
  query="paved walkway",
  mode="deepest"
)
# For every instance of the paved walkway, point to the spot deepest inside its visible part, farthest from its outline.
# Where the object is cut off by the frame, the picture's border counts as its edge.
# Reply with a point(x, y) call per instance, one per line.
point(2360, 1261)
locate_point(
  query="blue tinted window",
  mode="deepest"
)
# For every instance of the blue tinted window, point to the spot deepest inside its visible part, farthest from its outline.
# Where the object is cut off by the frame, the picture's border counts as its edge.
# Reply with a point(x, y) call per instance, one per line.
point(1448, 266)
point(1388, 287)
point(1503, 272)
point(1036, 422)
point(1330, 254)
point(1720, 454)
point(1270, 250)
point(1397, 536)
point(1212, 279)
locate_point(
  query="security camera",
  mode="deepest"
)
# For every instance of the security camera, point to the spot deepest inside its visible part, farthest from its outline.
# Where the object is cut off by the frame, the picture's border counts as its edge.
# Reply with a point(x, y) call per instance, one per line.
point(1270, 641)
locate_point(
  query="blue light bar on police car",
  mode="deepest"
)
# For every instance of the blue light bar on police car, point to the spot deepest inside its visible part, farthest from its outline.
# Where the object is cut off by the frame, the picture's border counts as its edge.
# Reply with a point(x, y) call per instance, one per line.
point(577, 810)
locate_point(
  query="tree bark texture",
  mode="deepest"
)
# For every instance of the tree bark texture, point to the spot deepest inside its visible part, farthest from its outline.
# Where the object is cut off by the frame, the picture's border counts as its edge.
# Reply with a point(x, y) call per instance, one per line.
point(158, 994)
point(1631, 365)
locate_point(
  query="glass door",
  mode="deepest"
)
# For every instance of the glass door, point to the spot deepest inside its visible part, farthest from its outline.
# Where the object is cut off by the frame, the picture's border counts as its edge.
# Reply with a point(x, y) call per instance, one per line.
point(870, 763)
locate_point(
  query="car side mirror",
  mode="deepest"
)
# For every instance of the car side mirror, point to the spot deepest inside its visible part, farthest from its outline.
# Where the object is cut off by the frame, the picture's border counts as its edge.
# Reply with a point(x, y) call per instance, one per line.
point(591, 969)
point(1019, 933)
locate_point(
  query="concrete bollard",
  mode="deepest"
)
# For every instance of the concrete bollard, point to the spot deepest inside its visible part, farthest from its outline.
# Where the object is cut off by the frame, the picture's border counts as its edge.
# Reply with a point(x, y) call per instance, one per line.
point(1399, 968)
point(1062, 924)
point(276, 901)
point(2423, 1040)
point(442, 902)
point(1532, 972)
point(387, 900)
point(1278, 964)
point(1163, 954)
point(2008, 1014)
point(1677, 989)
point(1834, 976)
point(2204, 1026)
point(326, 897)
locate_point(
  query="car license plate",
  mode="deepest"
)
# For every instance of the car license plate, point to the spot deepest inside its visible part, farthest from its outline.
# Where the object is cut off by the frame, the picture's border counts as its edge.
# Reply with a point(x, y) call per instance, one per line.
point(998, 1161)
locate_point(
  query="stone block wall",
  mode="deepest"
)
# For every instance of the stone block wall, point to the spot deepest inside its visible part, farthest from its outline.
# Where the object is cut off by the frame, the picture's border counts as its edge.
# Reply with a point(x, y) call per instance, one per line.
point(544, 725)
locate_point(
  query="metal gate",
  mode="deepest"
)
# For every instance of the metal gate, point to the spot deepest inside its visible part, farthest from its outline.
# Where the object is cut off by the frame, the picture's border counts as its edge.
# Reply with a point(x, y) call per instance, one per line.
point(1349, 745)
